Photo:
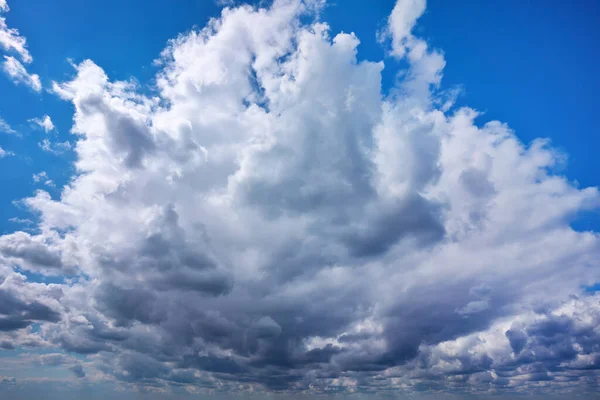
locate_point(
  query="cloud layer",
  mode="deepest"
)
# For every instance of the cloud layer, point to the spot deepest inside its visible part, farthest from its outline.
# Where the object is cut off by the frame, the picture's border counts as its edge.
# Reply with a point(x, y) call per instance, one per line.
point(272, 220)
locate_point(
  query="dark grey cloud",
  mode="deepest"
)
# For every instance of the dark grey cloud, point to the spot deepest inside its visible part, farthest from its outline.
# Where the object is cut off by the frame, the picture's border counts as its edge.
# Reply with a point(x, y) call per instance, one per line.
point(128, 305)
point(78, 371)
point(212, 364)
point(517, 338)
point(413, 217)
point(22, 249)
point(16, 313)
point(7, 380)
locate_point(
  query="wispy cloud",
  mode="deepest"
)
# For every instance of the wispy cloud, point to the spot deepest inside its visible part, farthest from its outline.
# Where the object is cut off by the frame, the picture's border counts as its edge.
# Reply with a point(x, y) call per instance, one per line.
point(4, 153)
point(10, 38)
point(42, 177)
point(6, 128)
point(55, 147)
point(12, 41)
point(17, 72)
point(22, 221)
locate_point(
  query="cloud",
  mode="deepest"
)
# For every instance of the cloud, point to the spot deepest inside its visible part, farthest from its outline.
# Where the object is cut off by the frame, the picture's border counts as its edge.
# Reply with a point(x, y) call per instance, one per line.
point(401, 22)
point(272, 220)
point(5, 127)
point(50, 359)
point(519, 353)
point(7, 380)
point(17, 72)
point(10, 38)
point(225, 3)
point(426, 64)
point(4, 153)
point(12, 42)
point(34, 253)
point(44, 123)
point(55, 148)
point(42, 177)
point(23, 221)
point(78, 371)
point(21, 306)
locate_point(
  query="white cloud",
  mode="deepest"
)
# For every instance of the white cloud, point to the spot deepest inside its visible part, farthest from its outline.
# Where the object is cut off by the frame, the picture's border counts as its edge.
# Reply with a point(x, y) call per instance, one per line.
point(43, 178)
point(225, 3)
point(23, 221)
point(272, 220)
point(40, 176)
point(4, 153)
point(426, 64)
point(5, 127)
point(401, 22)
point(10, 38)
point(12, 41)
point(55, 147)
point(17, 72)
point(45, 123)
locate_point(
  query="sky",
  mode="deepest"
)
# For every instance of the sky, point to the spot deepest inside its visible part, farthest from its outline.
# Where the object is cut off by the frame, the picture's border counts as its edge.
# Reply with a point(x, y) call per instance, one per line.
point(299, 199)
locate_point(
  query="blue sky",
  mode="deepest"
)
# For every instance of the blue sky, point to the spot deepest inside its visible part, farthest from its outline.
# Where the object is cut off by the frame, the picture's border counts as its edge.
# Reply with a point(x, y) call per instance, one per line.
point(190, 206)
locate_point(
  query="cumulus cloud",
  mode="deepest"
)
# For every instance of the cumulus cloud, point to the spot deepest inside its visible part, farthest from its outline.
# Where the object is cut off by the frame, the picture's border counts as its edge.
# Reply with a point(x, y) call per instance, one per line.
point(274, 221)
point(19, 75)
point(44, 123)
point(23, 304)
point(34, 253)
